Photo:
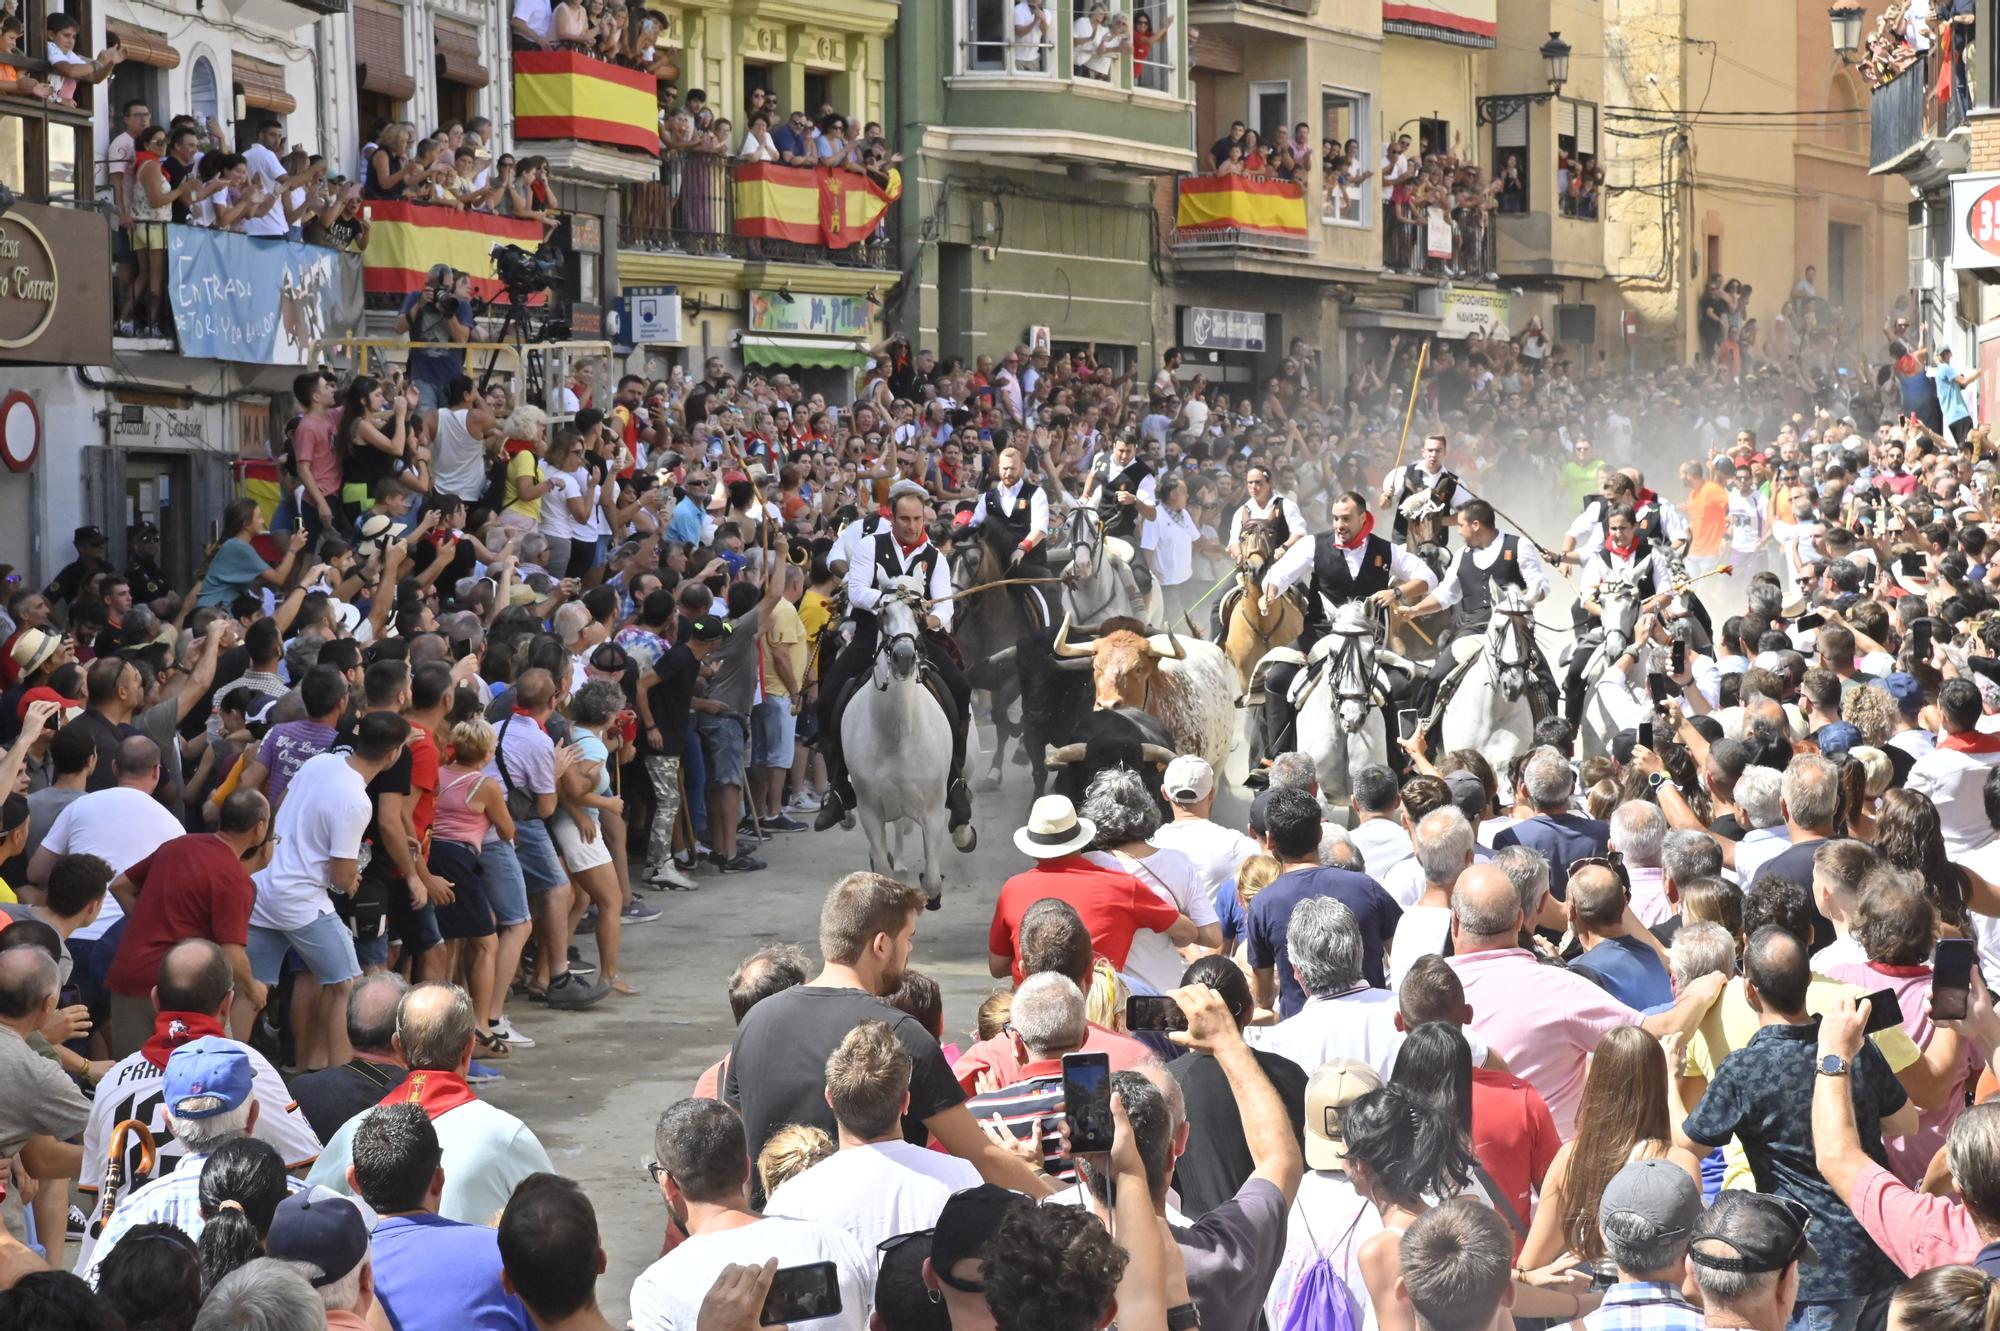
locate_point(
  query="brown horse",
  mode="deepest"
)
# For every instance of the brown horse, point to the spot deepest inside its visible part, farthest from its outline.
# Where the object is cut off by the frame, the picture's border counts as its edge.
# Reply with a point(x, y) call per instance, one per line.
point(1247, 632)
point(990, 625)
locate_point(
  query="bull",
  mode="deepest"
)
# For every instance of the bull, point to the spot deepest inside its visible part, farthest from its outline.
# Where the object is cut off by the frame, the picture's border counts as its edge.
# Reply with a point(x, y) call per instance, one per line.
point(1111, 738)
point(1189, 685)
point(1055, 699)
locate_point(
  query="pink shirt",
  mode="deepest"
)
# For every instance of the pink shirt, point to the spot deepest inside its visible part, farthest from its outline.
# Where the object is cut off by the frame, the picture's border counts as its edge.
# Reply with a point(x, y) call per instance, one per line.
point(997, 1056)
point(1914, 1230)
point(1910, 1156)
point(1543, 1020)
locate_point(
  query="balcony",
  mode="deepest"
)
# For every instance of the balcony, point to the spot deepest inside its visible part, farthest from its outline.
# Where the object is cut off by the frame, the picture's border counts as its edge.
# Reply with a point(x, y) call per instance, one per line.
point(1254, 225)
point(1913, 134)
point(1565, 243)
point(589, 117)
point(706, 206)
point(1439, 247)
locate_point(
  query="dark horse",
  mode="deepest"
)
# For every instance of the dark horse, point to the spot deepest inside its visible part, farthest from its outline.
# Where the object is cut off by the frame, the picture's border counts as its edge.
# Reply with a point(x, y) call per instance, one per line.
point(989, 623)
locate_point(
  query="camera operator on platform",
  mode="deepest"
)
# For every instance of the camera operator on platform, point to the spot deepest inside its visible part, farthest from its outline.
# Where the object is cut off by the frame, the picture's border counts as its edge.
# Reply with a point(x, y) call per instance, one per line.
point(441, 311)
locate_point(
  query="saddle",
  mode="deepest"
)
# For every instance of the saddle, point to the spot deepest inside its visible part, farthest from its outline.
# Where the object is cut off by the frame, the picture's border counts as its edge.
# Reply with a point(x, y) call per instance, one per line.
point(1468, 649)
point(929, 677)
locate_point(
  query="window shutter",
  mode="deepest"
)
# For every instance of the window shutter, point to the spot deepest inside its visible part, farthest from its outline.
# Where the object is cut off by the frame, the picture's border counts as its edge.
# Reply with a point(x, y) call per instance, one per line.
point(1586, 128)
point(1511, 131)
point(1565, 119)
point(380, 64)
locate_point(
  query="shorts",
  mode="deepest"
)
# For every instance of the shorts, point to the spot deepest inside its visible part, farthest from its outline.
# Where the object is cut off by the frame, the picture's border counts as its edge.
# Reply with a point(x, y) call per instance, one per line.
point(500, 879)
point(121, 244)
point(772, 727)
point(416, 926)
point(325, 946)
point(540, 869)
point(430, 396)
point(723, 739)
point(579, 855)
point(148, 236)
point(467, 915)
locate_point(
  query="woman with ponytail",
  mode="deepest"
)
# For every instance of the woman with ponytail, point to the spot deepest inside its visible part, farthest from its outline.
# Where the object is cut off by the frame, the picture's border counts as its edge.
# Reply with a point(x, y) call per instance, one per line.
point(1947, 1298)
point(241, 1186)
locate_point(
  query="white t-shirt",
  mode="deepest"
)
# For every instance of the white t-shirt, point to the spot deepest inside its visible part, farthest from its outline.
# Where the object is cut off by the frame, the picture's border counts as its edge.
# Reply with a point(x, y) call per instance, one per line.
point(324, 813)
point(119, 825)
point(265, 169)
point(1028, 46)
point(1420, 933)
point(1171, 538)
point(1748, 516)
point(874, 1192)
point(538, 15)
point(1154, 960)
point(1215, 851)
point(667, 1295)
point(557, 524)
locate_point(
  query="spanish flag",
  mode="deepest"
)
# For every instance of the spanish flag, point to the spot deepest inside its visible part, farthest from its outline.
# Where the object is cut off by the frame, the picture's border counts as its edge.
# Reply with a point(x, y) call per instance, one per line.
point(807, 205)
point(569, 95)
point(405, 239)
point(1239, 203)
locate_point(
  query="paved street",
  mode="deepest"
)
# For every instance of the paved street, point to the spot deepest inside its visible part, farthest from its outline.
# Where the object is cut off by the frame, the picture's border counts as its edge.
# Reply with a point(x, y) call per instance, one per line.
point(593, 1086)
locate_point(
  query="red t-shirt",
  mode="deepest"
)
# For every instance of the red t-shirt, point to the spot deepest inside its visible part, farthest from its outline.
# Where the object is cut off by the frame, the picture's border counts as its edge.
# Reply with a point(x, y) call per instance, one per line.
point(423, 784)
point(1114, 906)
point(1514, 1136)
point(191, 887)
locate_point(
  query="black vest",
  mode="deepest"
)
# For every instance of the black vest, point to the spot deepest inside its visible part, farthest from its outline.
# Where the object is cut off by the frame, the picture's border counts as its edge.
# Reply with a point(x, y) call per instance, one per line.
point(887, 561)
point(1642, 563)
point(1476, 584)
point(1120, 519)
point(1017, 523)
point(1281, 530)
point(1331, 578)
point(1416, 482)
point(1649, 522)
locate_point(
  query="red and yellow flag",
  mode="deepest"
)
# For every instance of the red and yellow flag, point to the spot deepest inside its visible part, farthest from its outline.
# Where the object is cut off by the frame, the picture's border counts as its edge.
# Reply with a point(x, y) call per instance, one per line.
point(807, 205)
point(1239, 203)
point(405, 239)
point(569, 95)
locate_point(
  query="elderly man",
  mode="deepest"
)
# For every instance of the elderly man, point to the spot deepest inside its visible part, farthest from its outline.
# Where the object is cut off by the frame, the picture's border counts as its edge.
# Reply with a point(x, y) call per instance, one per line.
point(1543, 1022)
point(1647, 1215)
point(1638, 829)
point(1342, 1017)
point(326, 1240)
point(41, 1108)
point(1746, 1254)
point(1547, 781)
point(331, 1096)
point(1444, 850)
point(1045, 1023)
point(1215, 851)
point(1686, 856)
point(209, 1099)
point(486, 1150)
point(1760, 800)
point(1628, 967)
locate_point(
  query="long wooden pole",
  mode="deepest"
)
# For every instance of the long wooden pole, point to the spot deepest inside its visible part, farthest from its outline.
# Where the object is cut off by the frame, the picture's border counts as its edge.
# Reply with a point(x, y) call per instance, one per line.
point(1423, 354)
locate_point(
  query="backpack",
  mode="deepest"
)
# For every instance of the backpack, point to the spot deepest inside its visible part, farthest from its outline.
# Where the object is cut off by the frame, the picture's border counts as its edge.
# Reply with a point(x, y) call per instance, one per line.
point(495, 497)
point(1321, 1301)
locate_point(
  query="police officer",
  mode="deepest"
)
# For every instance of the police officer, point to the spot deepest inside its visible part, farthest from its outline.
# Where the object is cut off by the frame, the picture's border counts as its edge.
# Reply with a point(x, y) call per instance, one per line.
point(148, 579)
point(1339, 567)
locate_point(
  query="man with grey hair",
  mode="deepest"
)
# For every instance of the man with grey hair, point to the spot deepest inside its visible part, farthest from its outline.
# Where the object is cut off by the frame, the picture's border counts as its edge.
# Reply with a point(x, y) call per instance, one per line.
point(1760, 801)
point(1045, 1023)
point(38, 1103)
point(1626, 965)
point(1294, 771)
point(1685, 857)
point(1746, 1254)
point(1342, 1016)
point(1547, 782)
point(331, 1096)
point(1701, 948)
point(1811, 804)
point(263, 1295)
point(1647, 1216)
point(1638, 833)
point(486, 1149)
point(1444, 847)
point(1528, 870)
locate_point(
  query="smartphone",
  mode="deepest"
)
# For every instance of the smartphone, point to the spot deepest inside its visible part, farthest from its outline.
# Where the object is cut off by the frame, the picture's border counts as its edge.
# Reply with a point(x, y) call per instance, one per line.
point(1406, 723)
point(1679, 656)
point(1883, 1011)
point(1154, 1012)
point(1660, 686)
point(1807, 623)
point(1912, 563)
point(1087, 1102)
point(1646, 734)
point(461, 648)
point(1920, 639)
point(802, 1293)
point(1951, 977)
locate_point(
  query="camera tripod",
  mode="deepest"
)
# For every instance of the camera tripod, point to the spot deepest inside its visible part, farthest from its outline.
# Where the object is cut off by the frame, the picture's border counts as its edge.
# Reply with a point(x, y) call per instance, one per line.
point(516, 323)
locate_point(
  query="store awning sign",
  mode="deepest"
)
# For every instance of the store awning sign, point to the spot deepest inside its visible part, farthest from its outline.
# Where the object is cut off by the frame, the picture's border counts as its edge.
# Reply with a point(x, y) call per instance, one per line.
point(1207, 329)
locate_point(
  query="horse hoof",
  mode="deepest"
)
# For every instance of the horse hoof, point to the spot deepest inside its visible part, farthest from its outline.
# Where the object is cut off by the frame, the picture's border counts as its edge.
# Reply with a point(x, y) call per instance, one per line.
point(966, 838)
point(847, 822)
point(990, 782)
point(1020, 757)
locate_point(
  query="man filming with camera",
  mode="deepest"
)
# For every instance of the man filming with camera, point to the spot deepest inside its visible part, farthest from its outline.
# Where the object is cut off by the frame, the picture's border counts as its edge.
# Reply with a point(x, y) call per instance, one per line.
point(440, 312)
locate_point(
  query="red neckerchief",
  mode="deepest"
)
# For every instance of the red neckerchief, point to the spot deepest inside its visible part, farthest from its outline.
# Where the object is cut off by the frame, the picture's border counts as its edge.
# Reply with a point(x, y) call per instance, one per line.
point(1367, 526)
point(1623, 551)
point(515, 447)
point(1647, 497)
point(518, 711)
point(171, 1030)
point(909, 550)
point(1895, 972)
point(1971, 741)
point(437, 1093)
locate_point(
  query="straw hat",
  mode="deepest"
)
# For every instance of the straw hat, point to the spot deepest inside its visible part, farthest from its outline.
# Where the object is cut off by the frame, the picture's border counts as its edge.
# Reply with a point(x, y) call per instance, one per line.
point(1054, 829)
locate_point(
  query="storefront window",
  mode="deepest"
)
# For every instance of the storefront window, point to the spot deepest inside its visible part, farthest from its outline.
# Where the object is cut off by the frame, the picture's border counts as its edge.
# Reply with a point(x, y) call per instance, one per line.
point(65, 158)
point(13, 148)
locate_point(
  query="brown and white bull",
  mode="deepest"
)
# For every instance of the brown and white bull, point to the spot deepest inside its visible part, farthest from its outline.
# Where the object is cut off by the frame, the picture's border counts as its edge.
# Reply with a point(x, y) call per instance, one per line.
point(1188, 684)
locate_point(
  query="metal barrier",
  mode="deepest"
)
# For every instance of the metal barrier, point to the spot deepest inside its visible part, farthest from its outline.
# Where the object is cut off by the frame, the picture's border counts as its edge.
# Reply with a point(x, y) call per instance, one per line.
point(534, 364)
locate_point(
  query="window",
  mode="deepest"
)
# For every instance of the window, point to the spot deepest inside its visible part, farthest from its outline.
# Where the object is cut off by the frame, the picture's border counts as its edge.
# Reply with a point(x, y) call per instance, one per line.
point(201, 90)
point(1153, 41)
point(993, 46)
point(1511, 158)
point(1347, 160)
point(45, 146)
point(460, 72)
point(1271, 110)
point(819, 92)
point(1579, 178)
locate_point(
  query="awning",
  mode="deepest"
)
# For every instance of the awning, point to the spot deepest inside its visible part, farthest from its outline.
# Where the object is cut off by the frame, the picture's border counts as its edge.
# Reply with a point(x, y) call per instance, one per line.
point(458, 56)
point(143, 45)
point(379, 63)
point(262, 85)
point(811, 353)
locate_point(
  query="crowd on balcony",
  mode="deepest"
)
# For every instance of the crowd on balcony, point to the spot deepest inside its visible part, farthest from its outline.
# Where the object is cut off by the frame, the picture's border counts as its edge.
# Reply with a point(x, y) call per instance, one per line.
point(1105, 43)
point(1432, 186)
point(1907, 30)
point(610, 30)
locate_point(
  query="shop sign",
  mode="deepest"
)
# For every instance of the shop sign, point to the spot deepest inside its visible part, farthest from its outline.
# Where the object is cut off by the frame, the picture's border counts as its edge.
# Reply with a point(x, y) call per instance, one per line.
point(55, 286)
point(1206, 329)
point(817, 316)
point(1465, 313)
point(151, 427)
point(1975, 220)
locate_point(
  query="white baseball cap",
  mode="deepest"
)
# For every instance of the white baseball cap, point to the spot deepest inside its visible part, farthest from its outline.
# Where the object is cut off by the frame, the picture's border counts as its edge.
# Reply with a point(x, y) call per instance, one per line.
point(1189, 779)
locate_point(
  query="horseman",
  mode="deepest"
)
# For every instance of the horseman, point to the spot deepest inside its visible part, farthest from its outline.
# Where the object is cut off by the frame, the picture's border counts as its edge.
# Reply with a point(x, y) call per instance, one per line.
point(1658, 524)
point(1347, 564)
point(1424, 476)
point(1489, 562)
point(902, 548)
point(1281, 518)
point(1625, 556)
point(1122, 488)
point(1014, 514)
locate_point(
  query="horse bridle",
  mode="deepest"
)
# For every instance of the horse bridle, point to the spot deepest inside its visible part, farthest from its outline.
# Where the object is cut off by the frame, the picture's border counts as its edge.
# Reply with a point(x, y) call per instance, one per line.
point(1351, 648)
point(1084, 520)
point(1516, 626)
point(886, 642)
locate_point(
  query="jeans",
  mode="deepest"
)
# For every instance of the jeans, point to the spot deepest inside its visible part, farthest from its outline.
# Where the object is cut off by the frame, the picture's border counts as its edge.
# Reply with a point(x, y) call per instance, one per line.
point(1837, 1315)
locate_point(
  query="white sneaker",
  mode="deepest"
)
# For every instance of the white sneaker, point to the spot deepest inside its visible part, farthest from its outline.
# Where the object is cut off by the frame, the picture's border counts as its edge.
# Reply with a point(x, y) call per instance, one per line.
point(804, 802)
point(669, 875)
point(515, 1039)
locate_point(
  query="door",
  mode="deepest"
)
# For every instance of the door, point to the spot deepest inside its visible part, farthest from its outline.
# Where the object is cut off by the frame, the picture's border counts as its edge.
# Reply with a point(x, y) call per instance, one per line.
point(1843, 254)
point(1271, 109)
point(157, 488)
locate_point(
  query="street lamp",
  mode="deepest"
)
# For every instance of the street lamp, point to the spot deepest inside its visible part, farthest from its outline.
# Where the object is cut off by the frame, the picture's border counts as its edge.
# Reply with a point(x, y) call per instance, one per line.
point(1845, 20)
point(1555, 69)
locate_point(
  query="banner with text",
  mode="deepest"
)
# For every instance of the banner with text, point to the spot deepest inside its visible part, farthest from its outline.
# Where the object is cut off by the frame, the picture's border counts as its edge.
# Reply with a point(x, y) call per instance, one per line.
point(807, 205)
point(263, 301)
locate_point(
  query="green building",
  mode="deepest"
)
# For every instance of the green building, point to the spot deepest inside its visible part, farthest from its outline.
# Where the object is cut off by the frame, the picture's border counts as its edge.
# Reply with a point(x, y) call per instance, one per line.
point(1029, 188)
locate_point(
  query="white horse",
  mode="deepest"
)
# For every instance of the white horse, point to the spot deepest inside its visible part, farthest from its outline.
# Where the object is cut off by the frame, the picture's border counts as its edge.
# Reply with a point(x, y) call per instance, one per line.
point(1099, 581)
point(1490, 711)
point(1608, 704)
point(897, 740)
point(1340, 724)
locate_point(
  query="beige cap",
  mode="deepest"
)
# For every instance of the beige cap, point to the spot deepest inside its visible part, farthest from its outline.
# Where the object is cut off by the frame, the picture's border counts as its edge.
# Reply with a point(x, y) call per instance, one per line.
point(1337, 1084)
